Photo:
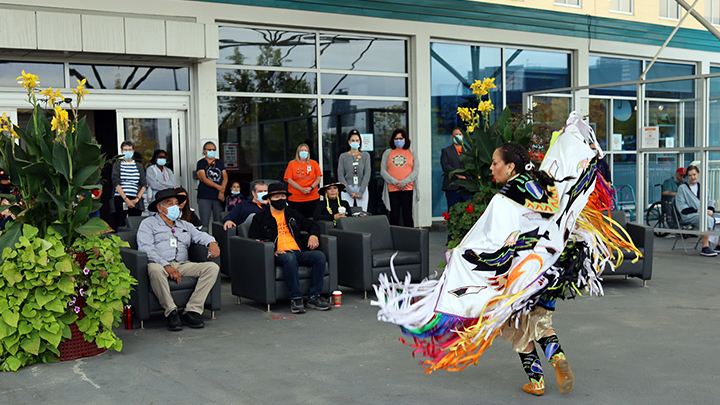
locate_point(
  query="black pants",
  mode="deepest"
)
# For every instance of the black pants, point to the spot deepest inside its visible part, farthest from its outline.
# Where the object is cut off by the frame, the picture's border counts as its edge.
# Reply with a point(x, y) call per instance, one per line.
point(401, 203)
point(306, 208)
point(120, 214)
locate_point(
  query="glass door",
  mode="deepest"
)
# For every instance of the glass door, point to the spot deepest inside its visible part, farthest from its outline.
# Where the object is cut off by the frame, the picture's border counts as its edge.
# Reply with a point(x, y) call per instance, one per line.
point(153, 130)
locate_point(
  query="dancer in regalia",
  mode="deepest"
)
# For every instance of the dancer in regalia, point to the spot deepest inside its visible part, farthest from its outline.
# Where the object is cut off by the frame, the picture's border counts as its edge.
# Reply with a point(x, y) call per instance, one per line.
point(542, 237)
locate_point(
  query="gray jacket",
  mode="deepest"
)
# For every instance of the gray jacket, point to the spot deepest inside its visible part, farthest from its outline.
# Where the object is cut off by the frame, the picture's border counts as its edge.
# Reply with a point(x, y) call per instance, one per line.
point(411, 178)
point(346, 172)
point(688, 203)
point(156, 182)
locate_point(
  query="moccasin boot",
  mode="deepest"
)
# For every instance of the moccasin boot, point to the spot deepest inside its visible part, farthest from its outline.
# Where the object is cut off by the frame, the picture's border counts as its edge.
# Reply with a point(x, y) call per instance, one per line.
point(565, 377)
point(531, 388)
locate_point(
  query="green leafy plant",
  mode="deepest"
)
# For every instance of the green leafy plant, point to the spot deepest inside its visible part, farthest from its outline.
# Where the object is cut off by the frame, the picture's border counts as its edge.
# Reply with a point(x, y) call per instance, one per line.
point(105, 285)
point(35, 288)
point(43, 289)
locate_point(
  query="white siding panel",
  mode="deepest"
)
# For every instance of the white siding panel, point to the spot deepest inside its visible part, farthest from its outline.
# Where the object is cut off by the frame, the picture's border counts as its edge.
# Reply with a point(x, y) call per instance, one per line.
point(17, 29)
point(185, 39)
point(103, 34)
point(144, 36)
point(212, 39)
point(59, 31)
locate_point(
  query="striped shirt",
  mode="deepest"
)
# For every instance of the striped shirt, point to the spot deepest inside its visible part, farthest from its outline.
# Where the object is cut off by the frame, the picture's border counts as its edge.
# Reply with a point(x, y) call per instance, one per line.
point(129, 178)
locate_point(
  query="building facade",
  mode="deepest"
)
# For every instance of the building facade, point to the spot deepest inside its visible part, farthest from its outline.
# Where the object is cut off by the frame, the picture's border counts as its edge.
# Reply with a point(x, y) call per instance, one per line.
point(259, 77)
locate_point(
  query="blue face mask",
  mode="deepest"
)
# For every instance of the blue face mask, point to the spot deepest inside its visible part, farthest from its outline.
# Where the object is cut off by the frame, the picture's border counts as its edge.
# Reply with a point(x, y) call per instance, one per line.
point(128, 155)
point(303, 154)
point(173, 212)
point(211, 154)
point(234, 192)
point(161, 162)
point(399, 143)
point(355, 145)
point(261, 194)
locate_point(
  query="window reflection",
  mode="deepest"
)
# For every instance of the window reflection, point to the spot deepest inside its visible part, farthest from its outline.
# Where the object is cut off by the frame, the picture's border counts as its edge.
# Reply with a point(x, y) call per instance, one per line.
point(675, 89)
point(267, 131)
point(614, 70)
point(349, 52)
point(50, 74)
point(356, 85)
point(264, 47)
point(131, 77)
point(534, 70)
point(265, 81)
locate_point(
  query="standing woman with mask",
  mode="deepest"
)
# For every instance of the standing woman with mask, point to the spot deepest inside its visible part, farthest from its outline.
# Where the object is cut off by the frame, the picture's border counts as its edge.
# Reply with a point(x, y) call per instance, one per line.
point(399, 169)
point(354, 171)
point(303, 176)
point(159, 177)
point(211, 189)
point(128, 181)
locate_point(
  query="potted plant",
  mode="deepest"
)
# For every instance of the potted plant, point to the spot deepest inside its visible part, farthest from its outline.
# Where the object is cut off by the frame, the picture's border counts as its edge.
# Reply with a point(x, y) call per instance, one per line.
point(60, 273)
point(480, 140)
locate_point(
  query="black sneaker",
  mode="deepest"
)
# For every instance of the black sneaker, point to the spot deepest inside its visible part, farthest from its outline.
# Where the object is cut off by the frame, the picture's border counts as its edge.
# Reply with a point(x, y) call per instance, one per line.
point(317, 302)
point(174, 322)
point(717, 248)
point(296, 306)
point(706, 251)
point(193, 320)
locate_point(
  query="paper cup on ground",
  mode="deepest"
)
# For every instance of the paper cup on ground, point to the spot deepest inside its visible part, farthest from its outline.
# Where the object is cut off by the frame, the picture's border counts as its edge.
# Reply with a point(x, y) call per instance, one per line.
point(337, 298)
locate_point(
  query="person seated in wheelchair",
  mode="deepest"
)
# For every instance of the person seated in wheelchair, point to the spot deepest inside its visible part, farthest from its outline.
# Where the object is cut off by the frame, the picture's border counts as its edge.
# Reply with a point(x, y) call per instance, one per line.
point(283, 225)
point(670, 185)
point(687, 202)
point(166, 239)
point(331, 207)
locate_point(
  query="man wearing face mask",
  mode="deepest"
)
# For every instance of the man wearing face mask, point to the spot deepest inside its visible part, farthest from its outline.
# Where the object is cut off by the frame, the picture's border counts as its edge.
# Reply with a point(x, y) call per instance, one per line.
point(244, 209)
point(166, 239)
point(283, 226)
point(450, 160)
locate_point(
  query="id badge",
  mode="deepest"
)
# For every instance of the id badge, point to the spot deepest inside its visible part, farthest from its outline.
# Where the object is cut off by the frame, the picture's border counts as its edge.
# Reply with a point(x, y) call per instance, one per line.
point(173, 242)
point(309, 168)
point(355, 180)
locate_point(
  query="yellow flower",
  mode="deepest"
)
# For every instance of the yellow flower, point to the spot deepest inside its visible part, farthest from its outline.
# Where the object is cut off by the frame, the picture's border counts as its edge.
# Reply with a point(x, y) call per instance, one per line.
point(80, 92)
point(61, 121)
point(471, 128)
point(51, 95)
point(7, 128)
point(464, 113)
point(475, 87)
point(487, 84)
point(485, 106)
point(28, 80)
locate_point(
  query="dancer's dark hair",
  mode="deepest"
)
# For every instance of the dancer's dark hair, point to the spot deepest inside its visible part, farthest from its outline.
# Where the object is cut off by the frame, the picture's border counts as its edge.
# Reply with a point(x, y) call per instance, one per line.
point(513, 152)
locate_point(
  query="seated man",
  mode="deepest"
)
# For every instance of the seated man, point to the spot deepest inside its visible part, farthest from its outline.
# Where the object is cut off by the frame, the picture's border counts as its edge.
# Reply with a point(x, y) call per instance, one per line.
point(166, 239)
point(282, 225)
point(242, 210)
point(670, 185)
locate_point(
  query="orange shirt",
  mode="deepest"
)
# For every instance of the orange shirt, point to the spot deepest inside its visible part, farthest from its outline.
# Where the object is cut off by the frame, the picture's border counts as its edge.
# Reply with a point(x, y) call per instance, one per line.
point(400, 165)
point(458, 148)
point(285, 240)
point(298, 171)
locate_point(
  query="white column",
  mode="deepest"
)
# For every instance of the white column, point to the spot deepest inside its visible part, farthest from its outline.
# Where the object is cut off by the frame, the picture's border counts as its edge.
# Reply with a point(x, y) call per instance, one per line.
point(420, 124)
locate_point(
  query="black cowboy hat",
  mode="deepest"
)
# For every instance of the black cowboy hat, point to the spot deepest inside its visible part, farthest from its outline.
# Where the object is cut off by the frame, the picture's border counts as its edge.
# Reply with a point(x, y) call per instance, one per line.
point(164, 195)
point(340, 186)
point(276, 188)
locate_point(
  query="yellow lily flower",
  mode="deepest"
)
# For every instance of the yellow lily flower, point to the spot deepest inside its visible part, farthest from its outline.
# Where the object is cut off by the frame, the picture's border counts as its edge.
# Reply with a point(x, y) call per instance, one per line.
point(28, 80)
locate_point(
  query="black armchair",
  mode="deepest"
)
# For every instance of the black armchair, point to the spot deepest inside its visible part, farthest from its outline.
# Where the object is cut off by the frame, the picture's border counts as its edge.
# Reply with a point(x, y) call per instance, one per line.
point(223, 239)
point(366, 244)
point(642, 236)
point(254, 274)
point(142, 298)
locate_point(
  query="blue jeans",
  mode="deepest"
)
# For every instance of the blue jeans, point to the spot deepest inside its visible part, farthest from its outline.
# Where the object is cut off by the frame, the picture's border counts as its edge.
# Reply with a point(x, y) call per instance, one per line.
point(291, 260)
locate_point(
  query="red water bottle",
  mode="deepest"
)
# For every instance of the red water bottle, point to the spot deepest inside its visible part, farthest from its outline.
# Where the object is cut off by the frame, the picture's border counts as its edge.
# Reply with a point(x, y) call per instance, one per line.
point(127, 316)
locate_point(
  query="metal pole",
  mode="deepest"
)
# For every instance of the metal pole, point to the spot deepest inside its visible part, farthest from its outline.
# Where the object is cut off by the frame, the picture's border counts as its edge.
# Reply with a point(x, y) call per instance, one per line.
point(699, 18)
point(672, 34)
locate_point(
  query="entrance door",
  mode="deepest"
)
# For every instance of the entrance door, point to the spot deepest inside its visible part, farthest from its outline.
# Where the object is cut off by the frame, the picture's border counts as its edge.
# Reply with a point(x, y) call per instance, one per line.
point(152, 130)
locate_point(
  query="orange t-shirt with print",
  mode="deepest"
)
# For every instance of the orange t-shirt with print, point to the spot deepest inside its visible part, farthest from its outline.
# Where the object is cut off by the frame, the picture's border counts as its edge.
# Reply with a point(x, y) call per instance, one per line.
point(285, 240)
point(400, 165)
point(303, 174)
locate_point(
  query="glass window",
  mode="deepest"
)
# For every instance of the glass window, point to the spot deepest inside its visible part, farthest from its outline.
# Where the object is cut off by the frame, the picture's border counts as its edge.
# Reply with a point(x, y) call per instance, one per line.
point(267, 132)
point(49, 74)
point(715, 12)
point(568, 2)
point(669, 9)
point(132, 77)
point(674, 89)
point(150, 134)
point(614, 70)
point(379, 118)
point(350, 52)
point(265, 81)
point(265, 47)
point(623, 6)
point(529, 70)
point(624, 180)
point(356, 85)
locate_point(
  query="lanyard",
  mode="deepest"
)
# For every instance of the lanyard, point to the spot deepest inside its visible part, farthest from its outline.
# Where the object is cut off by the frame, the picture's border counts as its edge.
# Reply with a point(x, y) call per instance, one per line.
point(329, 210)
